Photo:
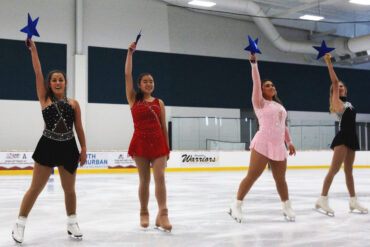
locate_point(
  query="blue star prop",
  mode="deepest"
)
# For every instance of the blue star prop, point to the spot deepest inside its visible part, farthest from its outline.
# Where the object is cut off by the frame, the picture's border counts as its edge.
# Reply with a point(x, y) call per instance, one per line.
point(30, 29)
point(252, 47)
point(323, 49)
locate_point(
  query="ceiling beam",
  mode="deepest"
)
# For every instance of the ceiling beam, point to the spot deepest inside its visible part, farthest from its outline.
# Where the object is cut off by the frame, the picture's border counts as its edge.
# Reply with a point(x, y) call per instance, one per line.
point(302, 7)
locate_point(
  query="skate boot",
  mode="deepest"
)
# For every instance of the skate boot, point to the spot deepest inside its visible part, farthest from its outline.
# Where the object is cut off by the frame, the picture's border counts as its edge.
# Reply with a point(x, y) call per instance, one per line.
point(72, 227)
point(288, 211)
point(18, 229)
point(236, 211)
point(323, 204)
point(354, 204)
point(144, 218)
point(162, 223)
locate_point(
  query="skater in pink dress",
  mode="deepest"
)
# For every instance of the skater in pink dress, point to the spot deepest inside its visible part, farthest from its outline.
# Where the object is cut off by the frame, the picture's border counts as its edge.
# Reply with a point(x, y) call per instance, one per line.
point(267, 145)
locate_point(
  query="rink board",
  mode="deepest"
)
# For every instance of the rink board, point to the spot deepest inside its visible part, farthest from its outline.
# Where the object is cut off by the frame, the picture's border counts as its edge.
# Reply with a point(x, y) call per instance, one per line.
point(13, 163)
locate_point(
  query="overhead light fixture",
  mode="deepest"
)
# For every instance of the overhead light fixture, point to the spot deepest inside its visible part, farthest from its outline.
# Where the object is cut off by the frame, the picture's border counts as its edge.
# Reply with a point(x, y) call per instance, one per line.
point(311, 17)
point(362, 2)
point(202, 3)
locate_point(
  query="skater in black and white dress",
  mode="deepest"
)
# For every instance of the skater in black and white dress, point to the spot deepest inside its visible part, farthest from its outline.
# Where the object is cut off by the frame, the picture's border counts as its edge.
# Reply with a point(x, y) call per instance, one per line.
point(344, 144)
point(57, 146)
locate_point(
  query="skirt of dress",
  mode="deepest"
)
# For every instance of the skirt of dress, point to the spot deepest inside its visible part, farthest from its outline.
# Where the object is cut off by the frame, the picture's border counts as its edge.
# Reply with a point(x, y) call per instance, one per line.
point(149, 146)
point(348, 139)
point(53, 153)
point(273, 150)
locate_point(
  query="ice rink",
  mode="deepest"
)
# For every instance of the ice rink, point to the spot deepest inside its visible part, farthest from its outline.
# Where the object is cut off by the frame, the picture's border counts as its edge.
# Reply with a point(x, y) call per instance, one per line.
point(108, 211)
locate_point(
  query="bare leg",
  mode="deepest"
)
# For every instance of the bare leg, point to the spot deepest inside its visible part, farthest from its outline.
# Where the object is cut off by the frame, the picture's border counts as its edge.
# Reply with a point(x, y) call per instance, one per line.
point(338, 158)
point(143, 166)
point(278, 169)
point(40, 177)
point(348, 171)
point(159, 165)
point(256, 166)
point(68, 181)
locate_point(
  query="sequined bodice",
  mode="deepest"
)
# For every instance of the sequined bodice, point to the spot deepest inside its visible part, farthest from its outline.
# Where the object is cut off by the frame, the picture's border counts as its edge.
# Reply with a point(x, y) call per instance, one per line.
point(59, 117)
point(347, 118)
point(271, 119)
point(146, 116)
point(59, 123)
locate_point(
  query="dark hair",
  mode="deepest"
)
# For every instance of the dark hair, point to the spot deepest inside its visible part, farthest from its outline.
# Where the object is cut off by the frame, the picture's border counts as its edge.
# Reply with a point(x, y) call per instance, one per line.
point(275, 97)
point(49, 92)
point(139, 95)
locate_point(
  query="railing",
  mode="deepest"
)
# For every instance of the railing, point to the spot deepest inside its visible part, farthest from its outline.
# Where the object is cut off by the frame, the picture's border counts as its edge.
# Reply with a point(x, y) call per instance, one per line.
point(212, 133)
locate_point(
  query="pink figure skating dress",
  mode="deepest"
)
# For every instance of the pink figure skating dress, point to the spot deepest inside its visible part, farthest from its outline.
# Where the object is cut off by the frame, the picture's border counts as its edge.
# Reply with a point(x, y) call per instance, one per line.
point(269, 139)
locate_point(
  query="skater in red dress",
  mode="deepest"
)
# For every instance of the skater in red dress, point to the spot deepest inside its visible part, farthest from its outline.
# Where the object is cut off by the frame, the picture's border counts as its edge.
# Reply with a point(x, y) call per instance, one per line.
point(149, 146)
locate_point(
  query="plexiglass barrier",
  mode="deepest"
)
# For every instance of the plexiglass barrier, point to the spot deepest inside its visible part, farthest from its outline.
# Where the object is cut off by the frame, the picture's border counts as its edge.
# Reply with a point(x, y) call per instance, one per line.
point(212, 133)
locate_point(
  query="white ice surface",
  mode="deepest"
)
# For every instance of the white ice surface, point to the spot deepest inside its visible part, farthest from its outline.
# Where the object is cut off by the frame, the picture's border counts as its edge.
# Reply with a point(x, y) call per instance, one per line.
point(108, 211)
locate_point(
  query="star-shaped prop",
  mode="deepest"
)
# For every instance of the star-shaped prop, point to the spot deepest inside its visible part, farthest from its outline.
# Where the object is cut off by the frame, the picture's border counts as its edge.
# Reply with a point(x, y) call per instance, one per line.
point(252, 47)
point(323, 49)
point(138, 37)
point(30, 29)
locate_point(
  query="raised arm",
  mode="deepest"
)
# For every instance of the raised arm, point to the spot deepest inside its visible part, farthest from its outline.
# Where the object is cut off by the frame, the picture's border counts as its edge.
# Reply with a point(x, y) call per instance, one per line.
point(257, 98)
point(337, 103)
point(164, 123)
point(40, 87)
point(130, 91)
point(80, 131)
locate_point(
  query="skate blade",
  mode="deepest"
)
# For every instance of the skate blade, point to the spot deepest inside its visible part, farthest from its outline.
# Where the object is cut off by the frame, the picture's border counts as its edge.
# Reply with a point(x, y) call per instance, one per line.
point(161, 229)
point(288, 218)
point(16, 241)
point(144, 228)
point(355, 211)
point(319, 210)
point(242, 221)
point(75, 237)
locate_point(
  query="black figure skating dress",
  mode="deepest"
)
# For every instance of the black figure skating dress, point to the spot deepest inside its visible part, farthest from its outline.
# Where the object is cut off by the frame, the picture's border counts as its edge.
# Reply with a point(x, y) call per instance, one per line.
point(57, 146)
point(347, 127)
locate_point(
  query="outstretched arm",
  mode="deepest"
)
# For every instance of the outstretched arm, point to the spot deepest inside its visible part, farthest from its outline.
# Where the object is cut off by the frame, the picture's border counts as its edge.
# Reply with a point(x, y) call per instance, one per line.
point(40, 87)
point(257, 98)
point(130, 91)
point(337, 103)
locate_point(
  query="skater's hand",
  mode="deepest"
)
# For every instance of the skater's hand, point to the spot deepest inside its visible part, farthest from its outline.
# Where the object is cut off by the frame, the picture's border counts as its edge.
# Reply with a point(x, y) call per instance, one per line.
point(168, 156)
point(32, 46)
point(291, 149)
point(82, 158)
point(327, 58)
point(253, 59)
point(132, 48)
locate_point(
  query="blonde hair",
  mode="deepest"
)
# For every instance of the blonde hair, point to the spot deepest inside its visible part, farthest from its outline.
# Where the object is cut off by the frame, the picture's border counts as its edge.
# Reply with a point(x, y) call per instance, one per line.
point(331, 107)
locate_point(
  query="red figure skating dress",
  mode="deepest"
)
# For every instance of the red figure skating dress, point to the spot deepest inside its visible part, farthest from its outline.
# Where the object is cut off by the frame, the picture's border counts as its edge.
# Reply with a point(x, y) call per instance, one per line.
point(148, 140)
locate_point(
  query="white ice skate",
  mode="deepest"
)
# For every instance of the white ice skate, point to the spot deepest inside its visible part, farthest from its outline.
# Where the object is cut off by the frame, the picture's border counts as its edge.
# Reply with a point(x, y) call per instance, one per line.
point(323, 204)
point(354, 204)
point(72, 227)
point(18, 229)
point(236, 211)
point(288, 211)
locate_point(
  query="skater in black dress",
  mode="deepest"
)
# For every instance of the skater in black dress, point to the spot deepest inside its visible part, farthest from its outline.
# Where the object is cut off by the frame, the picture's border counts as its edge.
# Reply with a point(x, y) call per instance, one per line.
point(57, 146)
point(345, 143)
